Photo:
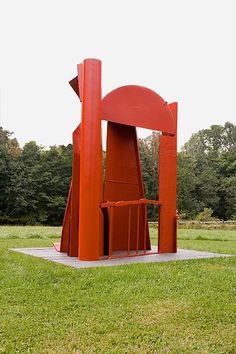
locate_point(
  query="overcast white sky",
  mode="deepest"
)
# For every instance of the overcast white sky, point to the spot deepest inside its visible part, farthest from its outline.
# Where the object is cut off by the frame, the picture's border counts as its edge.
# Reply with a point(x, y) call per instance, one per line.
point(184, 50)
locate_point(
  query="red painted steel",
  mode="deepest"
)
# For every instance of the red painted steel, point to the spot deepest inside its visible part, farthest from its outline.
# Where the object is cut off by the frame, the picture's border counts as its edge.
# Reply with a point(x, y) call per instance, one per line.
point(74, 84)
point(80, 80)
point(167, 189)
point(111, 224)
point(112, 207)
point(137, 230)
point(129, 228)
point(138, 106)
point(130, 202)
point(103, 221)
point(90, 217)
point(74, 228)
point(65, 236)
point(57, 246)
point(77, 82)
point(145, 230)
point(123, 181)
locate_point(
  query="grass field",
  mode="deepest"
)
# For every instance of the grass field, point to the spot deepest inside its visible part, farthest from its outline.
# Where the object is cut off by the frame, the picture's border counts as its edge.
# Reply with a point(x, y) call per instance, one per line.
point(176, 307)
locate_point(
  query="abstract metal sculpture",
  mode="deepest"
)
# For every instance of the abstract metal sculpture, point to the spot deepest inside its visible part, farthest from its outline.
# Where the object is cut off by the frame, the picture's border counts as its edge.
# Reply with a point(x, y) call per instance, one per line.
point(108, 217)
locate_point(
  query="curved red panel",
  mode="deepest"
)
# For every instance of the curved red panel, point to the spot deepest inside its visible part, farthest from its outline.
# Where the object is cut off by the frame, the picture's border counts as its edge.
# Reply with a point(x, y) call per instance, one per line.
point(138, 106)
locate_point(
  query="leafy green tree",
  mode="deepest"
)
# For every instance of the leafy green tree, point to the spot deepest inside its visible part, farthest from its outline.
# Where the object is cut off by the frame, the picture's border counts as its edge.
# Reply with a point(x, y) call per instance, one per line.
point(226, 208)
point(213, 155)
point(205, 215)
point(39, 183)
point(148, 149)
point(55, 175)
point(9, 151)
point(23, 189)
point(34, 181)
point(187, 203)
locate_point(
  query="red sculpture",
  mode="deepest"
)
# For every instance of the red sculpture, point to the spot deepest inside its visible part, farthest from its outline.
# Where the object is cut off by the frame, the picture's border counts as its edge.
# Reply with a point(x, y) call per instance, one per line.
point(109, 217)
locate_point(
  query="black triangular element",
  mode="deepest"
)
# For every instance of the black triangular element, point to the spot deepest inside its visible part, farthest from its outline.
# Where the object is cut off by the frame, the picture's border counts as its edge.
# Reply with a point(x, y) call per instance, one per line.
point(75, 86)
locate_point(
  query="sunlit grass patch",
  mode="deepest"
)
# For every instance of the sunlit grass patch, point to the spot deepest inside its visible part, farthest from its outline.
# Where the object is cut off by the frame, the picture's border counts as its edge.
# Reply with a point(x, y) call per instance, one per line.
point(13, 232)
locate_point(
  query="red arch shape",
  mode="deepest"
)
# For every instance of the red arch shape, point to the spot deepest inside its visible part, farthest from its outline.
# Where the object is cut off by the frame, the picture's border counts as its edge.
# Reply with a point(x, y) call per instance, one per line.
point(138, 106)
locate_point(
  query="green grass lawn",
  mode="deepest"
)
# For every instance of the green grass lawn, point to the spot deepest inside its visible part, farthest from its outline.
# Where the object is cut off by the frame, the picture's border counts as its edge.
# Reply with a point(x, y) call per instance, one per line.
point(220, 241)
point(176, 307)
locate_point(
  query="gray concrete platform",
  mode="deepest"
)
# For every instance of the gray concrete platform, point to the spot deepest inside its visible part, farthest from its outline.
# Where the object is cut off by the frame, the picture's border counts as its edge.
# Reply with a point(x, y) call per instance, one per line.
point(51, 254)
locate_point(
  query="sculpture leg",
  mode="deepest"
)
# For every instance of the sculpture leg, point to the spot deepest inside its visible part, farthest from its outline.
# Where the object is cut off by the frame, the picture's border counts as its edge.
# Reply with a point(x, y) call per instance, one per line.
point(90, 216)
point(167, 190)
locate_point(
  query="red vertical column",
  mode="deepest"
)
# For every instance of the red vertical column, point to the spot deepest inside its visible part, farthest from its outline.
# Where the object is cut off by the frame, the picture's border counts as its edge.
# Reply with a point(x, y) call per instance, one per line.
point(73, 244)
point(90, 217)
point(167, 189)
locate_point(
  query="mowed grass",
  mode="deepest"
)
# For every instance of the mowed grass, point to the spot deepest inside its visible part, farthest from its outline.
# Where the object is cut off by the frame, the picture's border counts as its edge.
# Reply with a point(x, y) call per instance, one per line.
point(221, 241)
point(28, 232)
point(175, 307)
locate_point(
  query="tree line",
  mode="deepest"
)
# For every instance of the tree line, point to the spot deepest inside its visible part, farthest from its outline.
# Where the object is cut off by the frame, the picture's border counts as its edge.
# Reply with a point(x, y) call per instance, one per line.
point(206, 172)
point(34, 181)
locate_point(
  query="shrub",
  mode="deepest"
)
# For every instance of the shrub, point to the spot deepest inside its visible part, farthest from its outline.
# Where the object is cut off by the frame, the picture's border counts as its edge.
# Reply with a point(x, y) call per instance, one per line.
point(205, 215)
